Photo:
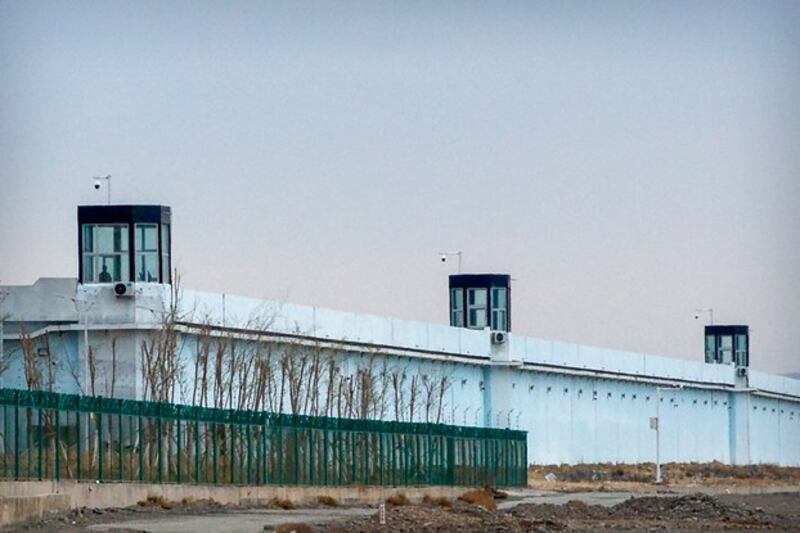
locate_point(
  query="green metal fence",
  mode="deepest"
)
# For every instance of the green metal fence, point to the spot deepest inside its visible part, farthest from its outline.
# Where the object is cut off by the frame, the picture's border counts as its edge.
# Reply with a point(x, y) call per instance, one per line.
point(47, 435)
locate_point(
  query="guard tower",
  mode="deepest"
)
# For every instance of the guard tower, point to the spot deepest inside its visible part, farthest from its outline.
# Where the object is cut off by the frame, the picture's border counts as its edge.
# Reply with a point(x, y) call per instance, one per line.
point(478, 301)
point(124, 243)
point(728, 344)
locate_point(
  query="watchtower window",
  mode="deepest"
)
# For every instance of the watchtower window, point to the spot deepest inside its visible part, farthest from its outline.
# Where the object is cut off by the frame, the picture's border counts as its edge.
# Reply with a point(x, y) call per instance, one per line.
point(727, 345)
point(476, 308)
point(499, 308)
point(711, 349)
point(166, 275)
point(725, 349)
point(741, 351)
point(105, 253)
point(457, 307)
point(146, 240)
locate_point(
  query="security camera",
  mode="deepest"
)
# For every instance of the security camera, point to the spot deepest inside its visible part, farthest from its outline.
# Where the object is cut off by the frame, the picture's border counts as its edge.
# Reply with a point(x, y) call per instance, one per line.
point(96, 184)
point(696, 316)
point(443, 258)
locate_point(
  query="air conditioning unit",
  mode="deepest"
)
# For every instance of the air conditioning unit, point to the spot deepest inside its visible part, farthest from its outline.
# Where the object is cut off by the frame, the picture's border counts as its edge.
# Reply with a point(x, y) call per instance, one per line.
point(499, 337)
point(741, 371)
point(124, 289)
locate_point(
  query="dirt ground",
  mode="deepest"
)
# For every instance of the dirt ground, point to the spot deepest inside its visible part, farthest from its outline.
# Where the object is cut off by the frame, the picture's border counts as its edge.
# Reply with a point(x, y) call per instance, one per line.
point(692, 512)
point(695, 497)
point(697, 512)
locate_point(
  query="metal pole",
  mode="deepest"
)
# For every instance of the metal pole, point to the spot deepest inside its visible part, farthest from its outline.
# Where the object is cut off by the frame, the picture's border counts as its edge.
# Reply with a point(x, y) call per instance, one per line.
point(658, 435)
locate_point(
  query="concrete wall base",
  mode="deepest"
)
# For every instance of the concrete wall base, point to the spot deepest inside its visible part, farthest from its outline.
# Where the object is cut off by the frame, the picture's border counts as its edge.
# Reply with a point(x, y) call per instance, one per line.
point(21, 500)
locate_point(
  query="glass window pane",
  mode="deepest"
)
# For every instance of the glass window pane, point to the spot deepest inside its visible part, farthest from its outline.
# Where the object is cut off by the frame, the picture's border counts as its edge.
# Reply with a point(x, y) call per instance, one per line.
point(457, 307)
point(109, 268)
point(726, 349)
point(87, 237)
point(710, 349)
point(457, 296)
point(88, 269)
point(477, 297)
point(476, 307)
point(499, 298)
point(499, 320)
point(741, 350)
point(110, 238)
point(103, 239)
point(480, 297)
point(147, 267)
point(165, 238)
point(120, 238)
point(741, 343)
point(165, 272)
point(146, 237)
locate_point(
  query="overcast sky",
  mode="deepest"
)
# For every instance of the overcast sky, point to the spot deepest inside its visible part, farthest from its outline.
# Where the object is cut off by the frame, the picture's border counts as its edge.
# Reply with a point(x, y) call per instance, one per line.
point(626, 162)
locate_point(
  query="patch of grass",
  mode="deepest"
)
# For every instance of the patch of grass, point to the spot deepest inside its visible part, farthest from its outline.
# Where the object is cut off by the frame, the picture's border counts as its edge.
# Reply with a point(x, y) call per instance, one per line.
point(293, 528)
point(398, 500)
point(330, 501)
point(282, 503)
point(481, 497)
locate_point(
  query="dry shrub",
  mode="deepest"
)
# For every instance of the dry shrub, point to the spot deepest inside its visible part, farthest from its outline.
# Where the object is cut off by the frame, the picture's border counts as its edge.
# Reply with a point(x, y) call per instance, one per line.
point(441, 501)
point(281, 503)
point(293, 528)
point(330, 501)
point(154, 500)
point(187, 500)
point(398, 500)
point(481, 497)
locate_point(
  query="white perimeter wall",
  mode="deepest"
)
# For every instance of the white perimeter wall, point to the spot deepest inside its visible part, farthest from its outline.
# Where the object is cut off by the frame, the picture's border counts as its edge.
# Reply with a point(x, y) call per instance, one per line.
point(578, 403)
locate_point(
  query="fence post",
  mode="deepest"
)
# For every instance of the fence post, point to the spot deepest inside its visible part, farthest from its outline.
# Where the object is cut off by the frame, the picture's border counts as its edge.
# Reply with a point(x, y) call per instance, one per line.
point(197, 447)
point(249, 454)
point(214, 446)
point(159, 451)
point(325, 457)
point(40, 438)
point(380, 457)
point(266, 456)
point(119, 444)
point(311, 456)
point(16, 437)
point(178, 469)
point(80, 439)
point(57, 458)
point(141, 448)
